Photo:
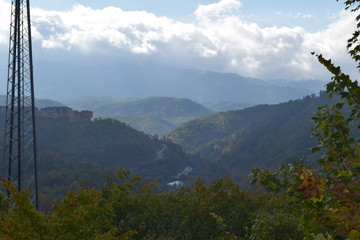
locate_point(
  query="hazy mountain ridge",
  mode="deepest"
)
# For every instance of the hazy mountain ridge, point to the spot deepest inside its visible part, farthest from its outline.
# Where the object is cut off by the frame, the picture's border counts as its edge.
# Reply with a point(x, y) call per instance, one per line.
point(94, 102)
point(154, 115)
point(307, 85)
point(227, 106)
point(39, 103)
point(144, 79)
point(161, 107)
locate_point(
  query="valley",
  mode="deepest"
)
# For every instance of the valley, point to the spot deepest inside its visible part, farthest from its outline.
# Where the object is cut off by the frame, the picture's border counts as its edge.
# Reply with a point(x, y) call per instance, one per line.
point(200, 143)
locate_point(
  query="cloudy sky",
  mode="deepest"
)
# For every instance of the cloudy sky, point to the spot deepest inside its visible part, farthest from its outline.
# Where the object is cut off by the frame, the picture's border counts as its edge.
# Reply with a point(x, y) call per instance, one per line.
point(267, 39)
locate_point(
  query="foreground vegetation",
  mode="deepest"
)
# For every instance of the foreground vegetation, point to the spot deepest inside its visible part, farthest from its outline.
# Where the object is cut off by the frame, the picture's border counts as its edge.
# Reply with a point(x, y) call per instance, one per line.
point(130, 210)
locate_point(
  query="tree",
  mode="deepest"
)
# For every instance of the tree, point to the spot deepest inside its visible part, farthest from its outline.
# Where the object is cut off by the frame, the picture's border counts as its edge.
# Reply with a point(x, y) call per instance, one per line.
point(330, 194)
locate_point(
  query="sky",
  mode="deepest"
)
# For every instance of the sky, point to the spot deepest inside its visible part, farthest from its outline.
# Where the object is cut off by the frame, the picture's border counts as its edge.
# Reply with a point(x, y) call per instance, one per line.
point(313, 15)
point(266, 39)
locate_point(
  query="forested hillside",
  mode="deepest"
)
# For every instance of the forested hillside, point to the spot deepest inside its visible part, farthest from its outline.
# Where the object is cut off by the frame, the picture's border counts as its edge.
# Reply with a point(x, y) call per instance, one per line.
point(260, 136)
point(87, 152)
point(151, 125)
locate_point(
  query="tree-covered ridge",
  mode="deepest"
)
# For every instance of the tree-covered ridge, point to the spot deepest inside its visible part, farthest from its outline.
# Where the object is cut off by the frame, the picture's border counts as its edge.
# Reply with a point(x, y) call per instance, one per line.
point(105, 141)
point(150, 125)
point(72, 153)
point(199, 132)
point(260, 136)
point(110, 143)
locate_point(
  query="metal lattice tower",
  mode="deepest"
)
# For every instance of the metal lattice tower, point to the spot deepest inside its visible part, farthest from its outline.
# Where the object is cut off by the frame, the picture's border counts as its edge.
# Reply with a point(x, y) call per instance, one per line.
point(20, 136)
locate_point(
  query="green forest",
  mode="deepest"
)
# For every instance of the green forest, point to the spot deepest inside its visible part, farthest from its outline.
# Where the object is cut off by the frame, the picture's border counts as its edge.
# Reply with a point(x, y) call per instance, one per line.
point(235, 142)
point(309, 198)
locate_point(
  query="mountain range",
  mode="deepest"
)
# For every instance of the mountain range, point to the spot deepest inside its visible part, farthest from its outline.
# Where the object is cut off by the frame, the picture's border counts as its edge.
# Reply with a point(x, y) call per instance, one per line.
point(62, 81)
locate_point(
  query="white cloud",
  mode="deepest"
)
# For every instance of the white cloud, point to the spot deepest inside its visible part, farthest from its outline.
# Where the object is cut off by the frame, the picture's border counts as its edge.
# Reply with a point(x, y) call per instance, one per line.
point(301, 15)
point(83, 27)
point(218, 39)
point(331, 41)
point(295, 15)
point(223, 7)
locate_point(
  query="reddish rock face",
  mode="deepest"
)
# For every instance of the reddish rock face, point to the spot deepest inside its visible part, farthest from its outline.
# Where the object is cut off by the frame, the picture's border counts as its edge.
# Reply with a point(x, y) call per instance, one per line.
point(65, 112)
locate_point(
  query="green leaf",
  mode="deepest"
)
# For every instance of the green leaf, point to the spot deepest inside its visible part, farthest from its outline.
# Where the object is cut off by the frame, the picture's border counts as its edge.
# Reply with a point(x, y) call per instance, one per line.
point(354, 235)
point(320, 236)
